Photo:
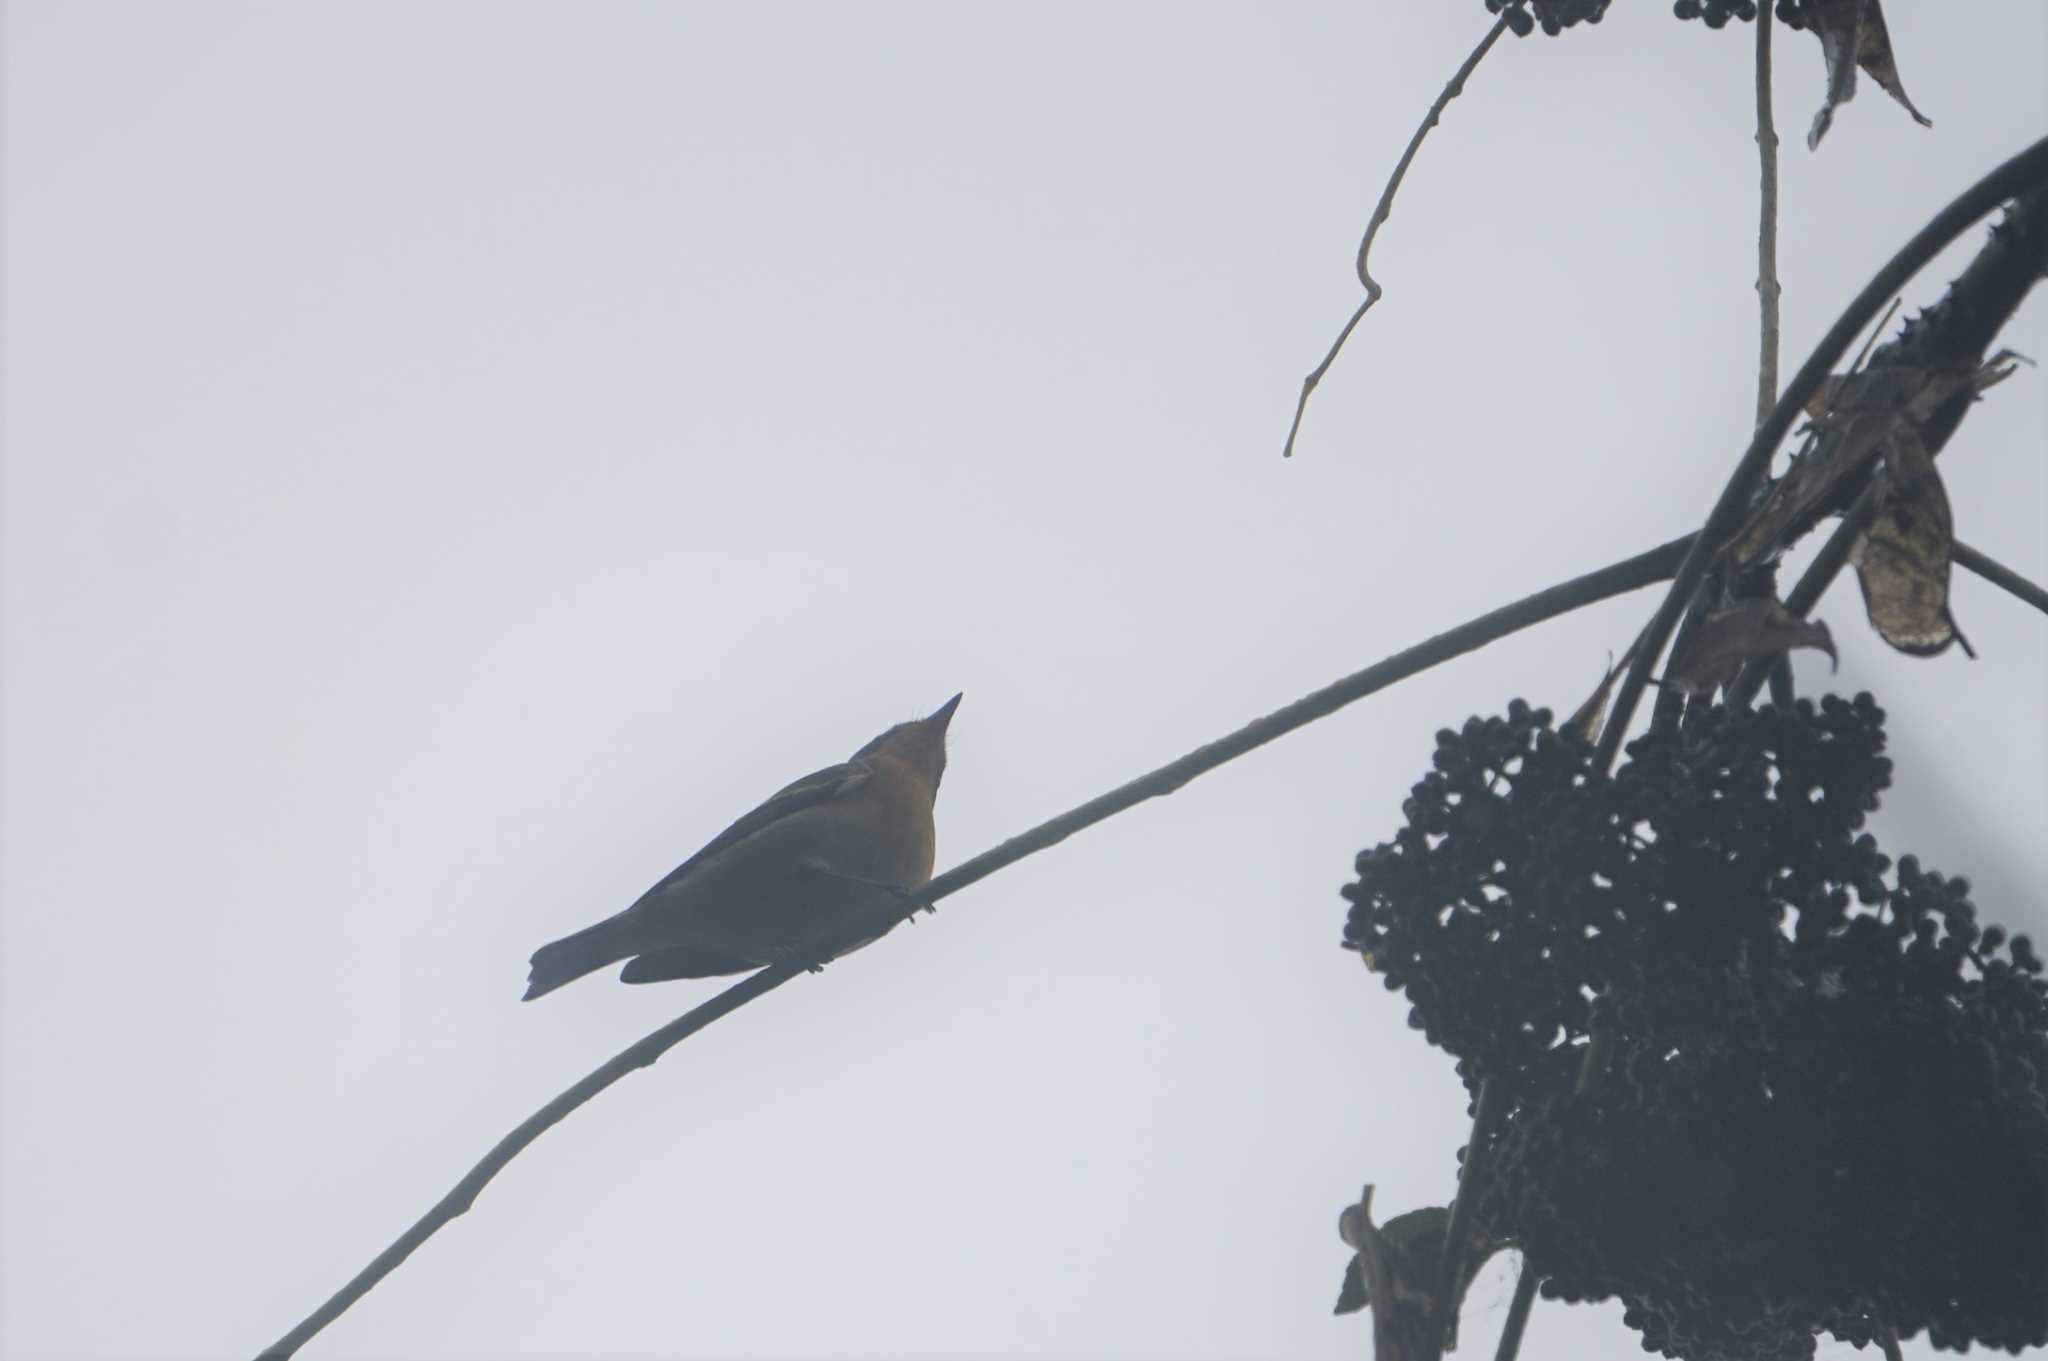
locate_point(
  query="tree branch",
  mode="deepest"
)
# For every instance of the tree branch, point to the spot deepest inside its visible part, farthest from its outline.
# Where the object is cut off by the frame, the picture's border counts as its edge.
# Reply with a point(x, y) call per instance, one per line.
point(1518, 1313)
point(1642, 570)
point(2023, 172)
point(1767, 289)
point(1999, 575)
point(1491, 1109)
point(1954, 333)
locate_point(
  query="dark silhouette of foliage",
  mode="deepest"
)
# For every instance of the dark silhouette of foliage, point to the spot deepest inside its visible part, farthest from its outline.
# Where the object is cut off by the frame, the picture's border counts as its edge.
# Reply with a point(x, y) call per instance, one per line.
point(1824, 1097)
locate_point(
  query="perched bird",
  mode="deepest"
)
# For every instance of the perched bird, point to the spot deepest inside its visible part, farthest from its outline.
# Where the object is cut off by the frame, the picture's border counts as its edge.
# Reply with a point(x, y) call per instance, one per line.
point(851, 839)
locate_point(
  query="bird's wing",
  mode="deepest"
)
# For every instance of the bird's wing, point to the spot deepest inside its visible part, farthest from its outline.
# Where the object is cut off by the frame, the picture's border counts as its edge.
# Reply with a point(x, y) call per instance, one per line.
point(833, 782)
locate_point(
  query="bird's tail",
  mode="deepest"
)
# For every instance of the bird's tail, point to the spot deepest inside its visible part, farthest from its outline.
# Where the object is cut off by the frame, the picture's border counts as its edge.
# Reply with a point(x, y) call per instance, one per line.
point(571, 957)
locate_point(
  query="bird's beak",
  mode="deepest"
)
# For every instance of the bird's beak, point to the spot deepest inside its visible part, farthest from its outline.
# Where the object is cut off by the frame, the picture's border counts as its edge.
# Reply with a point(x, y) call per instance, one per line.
point(944, 714)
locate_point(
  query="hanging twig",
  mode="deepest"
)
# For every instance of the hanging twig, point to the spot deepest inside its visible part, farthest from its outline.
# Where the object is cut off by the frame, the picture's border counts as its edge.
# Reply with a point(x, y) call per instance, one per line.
point(1451, 91)
point(1642, 570)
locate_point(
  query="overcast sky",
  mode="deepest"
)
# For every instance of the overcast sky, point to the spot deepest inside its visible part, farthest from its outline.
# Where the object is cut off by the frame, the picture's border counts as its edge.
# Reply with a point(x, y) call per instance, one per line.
point(460, 456)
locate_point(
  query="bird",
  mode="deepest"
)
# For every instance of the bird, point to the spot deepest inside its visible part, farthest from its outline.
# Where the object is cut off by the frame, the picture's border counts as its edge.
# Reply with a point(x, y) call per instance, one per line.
point(850, 840)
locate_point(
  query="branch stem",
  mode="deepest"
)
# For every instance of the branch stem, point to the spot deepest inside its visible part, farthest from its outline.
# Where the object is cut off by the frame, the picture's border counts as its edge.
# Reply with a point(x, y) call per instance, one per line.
point(1380, 213)
point(1518, 1313)
point(1490, 1110)
point(1644, 569)
point(2024, 171)
point(1999, 575)
point(1767, 223)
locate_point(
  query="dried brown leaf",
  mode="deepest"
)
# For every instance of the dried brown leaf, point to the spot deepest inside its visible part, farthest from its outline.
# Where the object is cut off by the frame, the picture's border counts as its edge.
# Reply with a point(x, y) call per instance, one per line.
point(1394, 1268)
point(1874, 55)
point(1587, 720)
point(1726, 639)
point(1852, 34)
point(1866, 413)
point(1902, 559)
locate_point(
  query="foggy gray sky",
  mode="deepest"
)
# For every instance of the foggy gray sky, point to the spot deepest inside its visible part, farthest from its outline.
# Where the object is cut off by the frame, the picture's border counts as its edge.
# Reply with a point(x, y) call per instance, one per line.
point(460, 456)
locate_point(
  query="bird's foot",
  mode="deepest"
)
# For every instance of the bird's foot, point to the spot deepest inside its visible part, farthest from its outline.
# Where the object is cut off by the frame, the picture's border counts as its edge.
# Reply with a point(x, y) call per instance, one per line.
point(782, 954)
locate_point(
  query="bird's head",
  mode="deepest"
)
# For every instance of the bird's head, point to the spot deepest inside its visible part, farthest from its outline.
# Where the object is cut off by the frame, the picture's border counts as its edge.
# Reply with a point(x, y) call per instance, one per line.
point(919, 744)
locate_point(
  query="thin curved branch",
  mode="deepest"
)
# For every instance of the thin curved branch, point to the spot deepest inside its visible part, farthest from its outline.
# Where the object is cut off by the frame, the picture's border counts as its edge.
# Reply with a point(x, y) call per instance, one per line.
point(641, 1054)
point(1642, 570)
point(2023, 172)
point(1385, 209)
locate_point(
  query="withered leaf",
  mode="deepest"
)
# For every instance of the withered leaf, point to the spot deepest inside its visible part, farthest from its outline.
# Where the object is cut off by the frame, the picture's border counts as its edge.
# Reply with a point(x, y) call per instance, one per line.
point(1902, 560)
point(1864, 414)
point(1587, 720)
point(1407, 1243)
point(1402, 1256)
point(1915, 390)
point(1353, 1295)
point(1852, 33)
point(1714, 655)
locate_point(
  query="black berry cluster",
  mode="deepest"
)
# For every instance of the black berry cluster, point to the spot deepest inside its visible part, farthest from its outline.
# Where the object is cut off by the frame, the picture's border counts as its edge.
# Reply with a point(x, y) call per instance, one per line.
point(1798, 13)
point(1554, 15)
point(1716, 13)
point(1522, 885)
point(1823, 1104)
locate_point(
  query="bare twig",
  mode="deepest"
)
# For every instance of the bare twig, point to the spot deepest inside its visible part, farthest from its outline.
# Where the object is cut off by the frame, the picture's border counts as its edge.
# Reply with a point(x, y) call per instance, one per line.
point(2021, 173)
point(1489, 1113)
point(1999, 575)
point(1870, 341)
point(1518, 1313)
point(1642, 570)
point(1451, 91)
point(1767, 224)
